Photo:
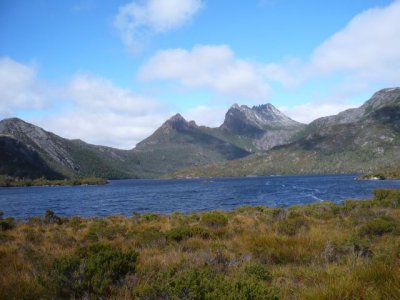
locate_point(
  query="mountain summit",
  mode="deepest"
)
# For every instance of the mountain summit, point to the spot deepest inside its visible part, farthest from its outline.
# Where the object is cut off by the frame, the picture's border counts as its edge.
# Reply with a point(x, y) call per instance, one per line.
point(264, 125)
point(244, 120)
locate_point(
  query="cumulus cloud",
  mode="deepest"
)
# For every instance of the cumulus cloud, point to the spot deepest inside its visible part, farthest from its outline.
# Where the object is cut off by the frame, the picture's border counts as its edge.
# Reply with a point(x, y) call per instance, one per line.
point(310, 111)
point(102, 113)
point(367, 49)
point(369, 45)
point(88, 107)
point(206, 115)
point(137, 21)
point(212, 67)
point(19, 87)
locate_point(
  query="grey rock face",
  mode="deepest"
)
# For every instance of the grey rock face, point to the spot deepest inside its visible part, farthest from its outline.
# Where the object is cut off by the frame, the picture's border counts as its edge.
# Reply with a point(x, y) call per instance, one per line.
point(265, 124)
point(36, 137)
point(384, 97)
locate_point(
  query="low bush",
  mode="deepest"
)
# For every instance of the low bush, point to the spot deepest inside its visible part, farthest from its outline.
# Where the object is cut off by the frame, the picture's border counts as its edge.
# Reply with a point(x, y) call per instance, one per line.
point(7, 223)
point(149, 237)
point(100, 229)
point(292, 226)
point(149, 216)
point(91, 271)
point(259, 271)
point(180, 233)
point(51, 218)
point(204, 283)
point(214, 219)
point(379, 226)
point(325, 210)
point(387, 198)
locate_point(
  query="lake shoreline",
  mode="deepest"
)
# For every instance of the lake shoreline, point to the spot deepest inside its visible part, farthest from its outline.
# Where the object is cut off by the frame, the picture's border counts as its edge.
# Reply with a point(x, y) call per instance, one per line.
point(22, 182)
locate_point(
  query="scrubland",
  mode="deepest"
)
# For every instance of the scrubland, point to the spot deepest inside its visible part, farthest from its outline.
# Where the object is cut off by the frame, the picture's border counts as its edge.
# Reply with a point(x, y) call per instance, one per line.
point(318, 251)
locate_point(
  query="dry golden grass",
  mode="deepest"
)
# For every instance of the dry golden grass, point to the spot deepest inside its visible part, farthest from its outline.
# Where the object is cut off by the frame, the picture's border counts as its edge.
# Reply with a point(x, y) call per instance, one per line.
point(319, 251)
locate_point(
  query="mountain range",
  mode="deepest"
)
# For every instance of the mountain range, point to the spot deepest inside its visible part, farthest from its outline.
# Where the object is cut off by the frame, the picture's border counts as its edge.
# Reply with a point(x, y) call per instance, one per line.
point(256, 140)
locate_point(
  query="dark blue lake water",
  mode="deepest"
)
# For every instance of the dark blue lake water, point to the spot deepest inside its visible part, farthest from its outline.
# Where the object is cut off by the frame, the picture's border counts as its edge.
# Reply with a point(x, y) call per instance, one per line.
point(186, 195)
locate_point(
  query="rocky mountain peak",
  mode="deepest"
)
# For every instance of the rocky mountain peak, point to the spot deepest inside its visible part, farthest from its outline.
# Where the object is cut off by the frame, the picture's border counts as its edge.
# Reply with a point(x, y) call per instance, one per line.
point(177, 122)
point(38, 138)
point(243, 119)
point(384, 97)
point(18, 128)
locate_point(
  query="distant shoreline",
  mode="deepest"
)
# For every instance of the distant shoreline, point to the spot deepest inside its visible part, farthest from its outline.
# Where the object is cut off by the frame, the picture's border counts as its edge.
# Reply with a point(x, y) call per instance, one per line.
point(18, 182)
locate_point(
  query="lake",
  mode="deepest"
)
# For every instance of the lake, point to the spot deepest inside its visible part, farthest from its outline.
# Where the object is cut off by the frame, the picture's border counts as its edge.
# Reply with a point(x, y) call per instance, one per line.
point(185, 195)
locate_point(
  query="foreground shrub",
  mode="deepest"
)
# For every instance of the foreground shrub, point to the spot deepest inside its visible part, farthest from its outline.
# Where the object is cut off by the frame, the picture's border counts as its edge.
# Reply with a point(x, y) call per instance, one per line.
point(100, 229)
point(150, 217)
point(259, 271)
point(7, 223)
point(204, 283)
point(292, 226)
point(51, 218)
point(180, 233)
point(379, 226)
point(388, 198)
point(214, 219)
point(92, 270)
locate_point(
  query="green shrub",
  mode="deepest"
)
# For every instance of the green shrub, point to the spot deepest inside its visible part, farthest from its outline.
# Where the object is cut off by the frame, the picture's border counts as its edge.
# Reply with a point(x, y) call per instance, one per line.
point(214, 219)
point(387, 198)
point(7, 223)
point(180, 233)
point(150, 216)
point(100, 229)
point(379, 226)
point(323, 210)
point(149, 237)
point(259, 271)
point(51, 218)
point(204, 283)
point(92, 270)
point(292, 226)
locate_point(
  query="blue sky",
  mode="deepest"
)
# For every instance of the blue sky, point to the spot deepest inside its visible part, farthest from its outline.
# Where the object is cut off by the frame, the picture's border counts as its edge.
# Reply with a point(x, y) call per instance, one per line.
point(111, 72)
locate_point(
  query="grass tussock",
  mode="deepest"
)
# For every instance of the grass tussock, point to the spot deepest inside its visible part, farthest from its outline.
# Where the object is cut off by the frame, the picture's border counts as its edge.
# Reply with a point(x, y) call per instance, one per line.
point(317, 251)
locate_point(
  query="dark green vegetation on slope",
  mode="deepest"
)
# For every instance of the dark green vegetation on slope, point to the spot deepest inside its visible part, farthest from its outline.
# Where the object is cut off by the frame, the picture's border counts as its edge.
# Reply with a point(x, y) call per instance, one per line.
point(317, 251)
point(360, 140)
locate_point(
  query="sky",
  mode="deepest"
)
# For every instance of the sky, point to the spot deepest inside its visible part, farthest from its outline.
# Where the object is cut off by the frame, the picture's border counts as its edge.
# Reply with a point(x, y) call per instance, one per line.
point(111, 72)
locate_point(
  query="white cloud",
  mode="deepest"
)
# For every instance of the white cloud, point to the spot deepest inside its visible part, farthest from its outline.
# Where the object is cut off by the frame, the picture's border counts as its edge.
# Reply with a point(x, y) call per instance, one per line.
point(369, 45)
point(289, 74)
point(102, 113)
point(88, 107)
point(206, 115)
point(308, 112)
point(137, 21)
point(19, 87)
point(212, 67)
point(366, 50)
point(92, 92)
